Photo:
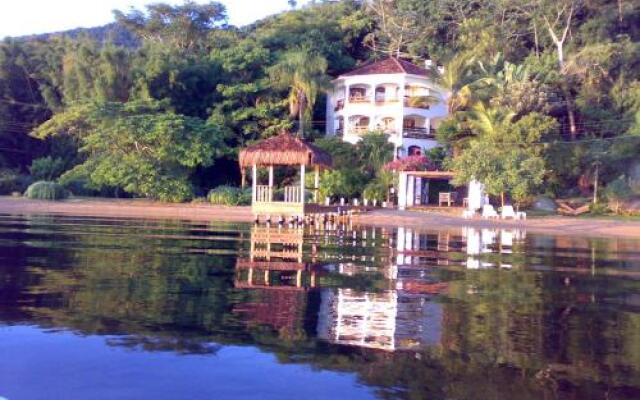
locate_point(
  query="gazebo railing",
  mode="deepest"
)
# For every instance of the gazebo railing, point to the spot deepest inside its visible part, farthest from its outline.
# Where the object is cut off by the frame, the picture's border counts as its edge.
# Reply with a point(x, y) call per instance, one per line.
point(264, 193)
point(292, 194)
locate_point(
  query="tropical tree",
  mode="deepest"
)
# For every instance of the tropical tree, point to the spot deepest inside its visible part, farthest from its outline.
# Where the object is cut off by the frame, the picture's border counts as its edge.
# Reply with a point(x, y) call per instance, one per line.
point(140, 147)
point(304, 74)
point(506, 156)
point(374, 150)
point(185, 27)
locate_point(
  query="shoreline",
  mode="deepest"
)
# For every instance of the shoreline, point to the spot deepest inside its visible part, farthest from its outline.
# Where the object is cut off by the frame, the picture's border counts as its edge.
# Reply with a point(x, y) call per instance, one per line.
point(138, 208)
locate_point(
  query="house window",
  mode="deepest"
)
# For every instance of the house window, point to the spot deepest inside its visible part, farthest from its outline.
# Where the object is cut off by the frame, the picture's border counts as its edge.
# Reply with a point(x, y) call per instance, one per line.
point(409, 123)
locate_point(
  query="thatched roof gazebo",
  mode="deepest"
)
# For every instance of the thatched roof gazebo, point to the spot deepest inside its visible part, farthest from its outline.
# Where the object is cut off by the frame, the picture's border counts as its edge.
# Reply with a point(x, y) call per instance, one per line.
point(282, 150)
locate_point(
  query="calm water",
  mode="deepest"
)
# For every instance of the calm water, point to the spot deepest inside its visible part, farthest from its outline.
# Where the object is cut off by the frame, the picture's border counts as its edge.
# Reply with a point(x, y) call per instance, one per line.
point(96, 308)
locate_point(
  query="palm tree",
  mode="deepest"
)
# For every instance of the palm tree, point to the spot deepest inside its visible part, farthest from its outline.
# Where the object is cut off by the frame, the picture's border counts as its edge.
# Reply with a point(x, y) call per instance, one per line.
point(456, 80)
point(499, 74)
point(304, 73)
point(487, 121)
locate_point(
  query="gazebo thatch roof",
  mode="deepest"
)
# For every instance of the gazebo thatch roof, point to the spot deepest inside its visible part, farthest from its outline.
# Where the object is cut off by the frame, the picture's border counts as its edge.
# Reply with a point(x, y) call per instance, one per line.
point(284, 149)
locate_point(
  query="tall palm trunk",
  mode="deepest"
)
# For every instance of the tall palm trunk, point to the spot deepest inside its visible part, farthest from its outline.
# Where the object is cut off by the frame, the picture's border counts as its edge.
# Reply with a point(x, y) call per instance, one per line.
point(301, 122)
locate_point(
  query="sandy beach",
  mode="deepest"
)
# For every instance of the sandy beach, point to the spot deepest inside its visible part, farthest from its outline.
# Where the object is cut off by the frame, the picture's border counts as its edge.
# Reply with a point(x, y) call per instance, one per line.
point(555, 225)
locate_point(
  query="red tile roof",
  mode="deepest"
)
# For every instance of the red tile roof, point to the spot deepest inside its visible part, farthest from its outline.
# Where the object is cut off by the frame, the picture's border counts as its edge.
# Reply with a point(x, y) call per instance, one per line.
point(389, 65)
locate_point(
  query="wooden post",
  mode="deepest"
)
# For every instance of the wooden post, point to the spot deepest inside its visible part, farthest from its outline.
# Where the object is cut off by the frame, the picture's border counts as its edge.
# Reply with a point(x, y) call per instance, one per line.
point(254, 182)
point(302, 174)
point(595, 183)
point(299, 278)
point(316, 183)
point(243, 174)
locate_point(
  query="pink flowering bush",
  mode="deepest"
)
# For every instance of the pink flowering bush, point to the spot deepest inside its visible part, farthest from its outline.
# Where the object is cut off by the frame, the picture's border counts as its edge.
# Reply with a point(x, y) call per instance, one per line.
point(410, 163)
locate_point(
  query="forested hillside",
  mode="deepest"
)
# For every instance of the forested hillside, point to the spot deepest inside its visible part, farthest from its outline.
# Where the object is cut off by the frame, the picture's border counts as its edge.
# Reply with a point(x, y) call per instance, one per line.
point(544, 95)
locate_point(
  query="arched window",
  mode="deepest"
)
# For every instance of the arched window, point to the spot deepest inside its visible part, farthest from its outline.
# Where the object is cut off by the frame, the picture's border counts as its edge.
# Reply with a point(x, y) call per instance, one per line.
point(380, 94)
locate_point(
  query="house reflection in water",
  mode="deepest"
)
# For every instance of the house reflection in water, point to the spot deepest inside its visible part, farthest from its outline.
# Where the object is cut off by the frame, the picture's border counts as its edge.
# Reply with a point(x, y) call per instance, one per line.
point(389, 320)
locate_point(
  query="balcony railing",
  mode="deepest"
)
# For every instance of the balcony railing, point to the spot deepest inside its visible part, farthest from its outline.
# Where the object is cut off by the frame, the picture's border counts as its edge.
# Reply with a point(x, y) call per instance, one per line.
point(418, 133)
point(359, 99)
point(387, 100)
point(358, 130)
point(417, 102)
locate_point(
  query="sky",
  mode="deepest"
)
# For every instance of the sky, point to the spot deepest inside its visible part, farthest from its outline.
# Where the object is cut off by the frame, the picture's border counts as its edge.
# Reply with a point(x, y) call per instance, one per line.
point(26, 17)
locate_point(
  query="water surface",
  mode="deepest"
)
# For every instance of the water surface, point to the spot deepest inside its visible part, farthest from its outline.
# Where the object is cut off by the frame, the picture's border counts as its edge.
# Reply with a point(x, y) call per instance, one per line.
point(96, 308)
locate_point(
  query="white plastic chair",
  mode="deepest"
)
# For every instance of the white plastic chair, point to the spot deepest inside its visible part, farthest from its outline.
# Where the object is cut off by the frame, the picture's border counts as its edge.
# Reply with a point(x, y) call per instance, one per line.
point(489, 212)
point(508, 212)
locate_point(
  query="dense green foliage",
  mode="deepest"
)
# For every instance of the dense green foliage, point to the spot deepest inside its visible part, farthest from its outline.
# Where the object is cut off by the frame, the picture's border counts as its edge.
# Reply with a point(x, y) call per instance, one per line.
point(356, 167)
point(138, 146)
point(43, 190)
point(229, 196)
point(574, 62)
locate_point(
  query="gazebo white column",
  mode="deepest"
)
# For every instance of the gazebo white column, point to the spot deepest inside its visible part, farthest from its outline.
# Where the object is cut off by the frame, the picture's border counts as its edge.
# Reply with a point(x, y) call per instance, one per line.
point(316, 183)
point(302, 175)
point(254, 179)
point(270, 182)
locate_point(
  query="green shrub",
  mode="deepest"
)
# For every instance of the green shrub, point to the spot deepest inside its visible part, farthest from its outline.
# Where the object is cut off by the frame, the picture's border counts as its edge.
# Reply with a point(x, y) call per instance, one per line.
point(244, 197)
point(47, 168)
point(617, 192)
point(598, 209)
point(229, 196)
point(12, 181)
point(375, 191)
point(43, 190)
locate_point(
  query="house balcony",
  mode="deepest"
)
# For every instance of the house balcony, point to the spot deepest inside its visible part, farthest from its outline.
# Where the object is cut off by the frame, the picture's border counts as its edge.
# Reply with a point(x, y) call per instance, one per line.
point(418, 133)
point(339, 105)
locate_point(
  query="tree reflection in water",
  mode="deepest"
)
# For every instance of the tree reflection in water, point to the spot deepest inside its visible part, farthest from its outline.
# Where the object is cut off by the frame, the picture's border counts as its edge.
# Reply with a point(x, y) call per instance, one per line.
point(416, 314)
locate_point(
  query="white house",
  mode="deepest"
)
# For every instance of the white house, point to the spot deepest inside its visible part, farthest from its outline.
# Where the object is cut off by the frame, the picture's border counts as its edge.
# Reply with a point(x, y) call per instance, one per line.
point(393, 96)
